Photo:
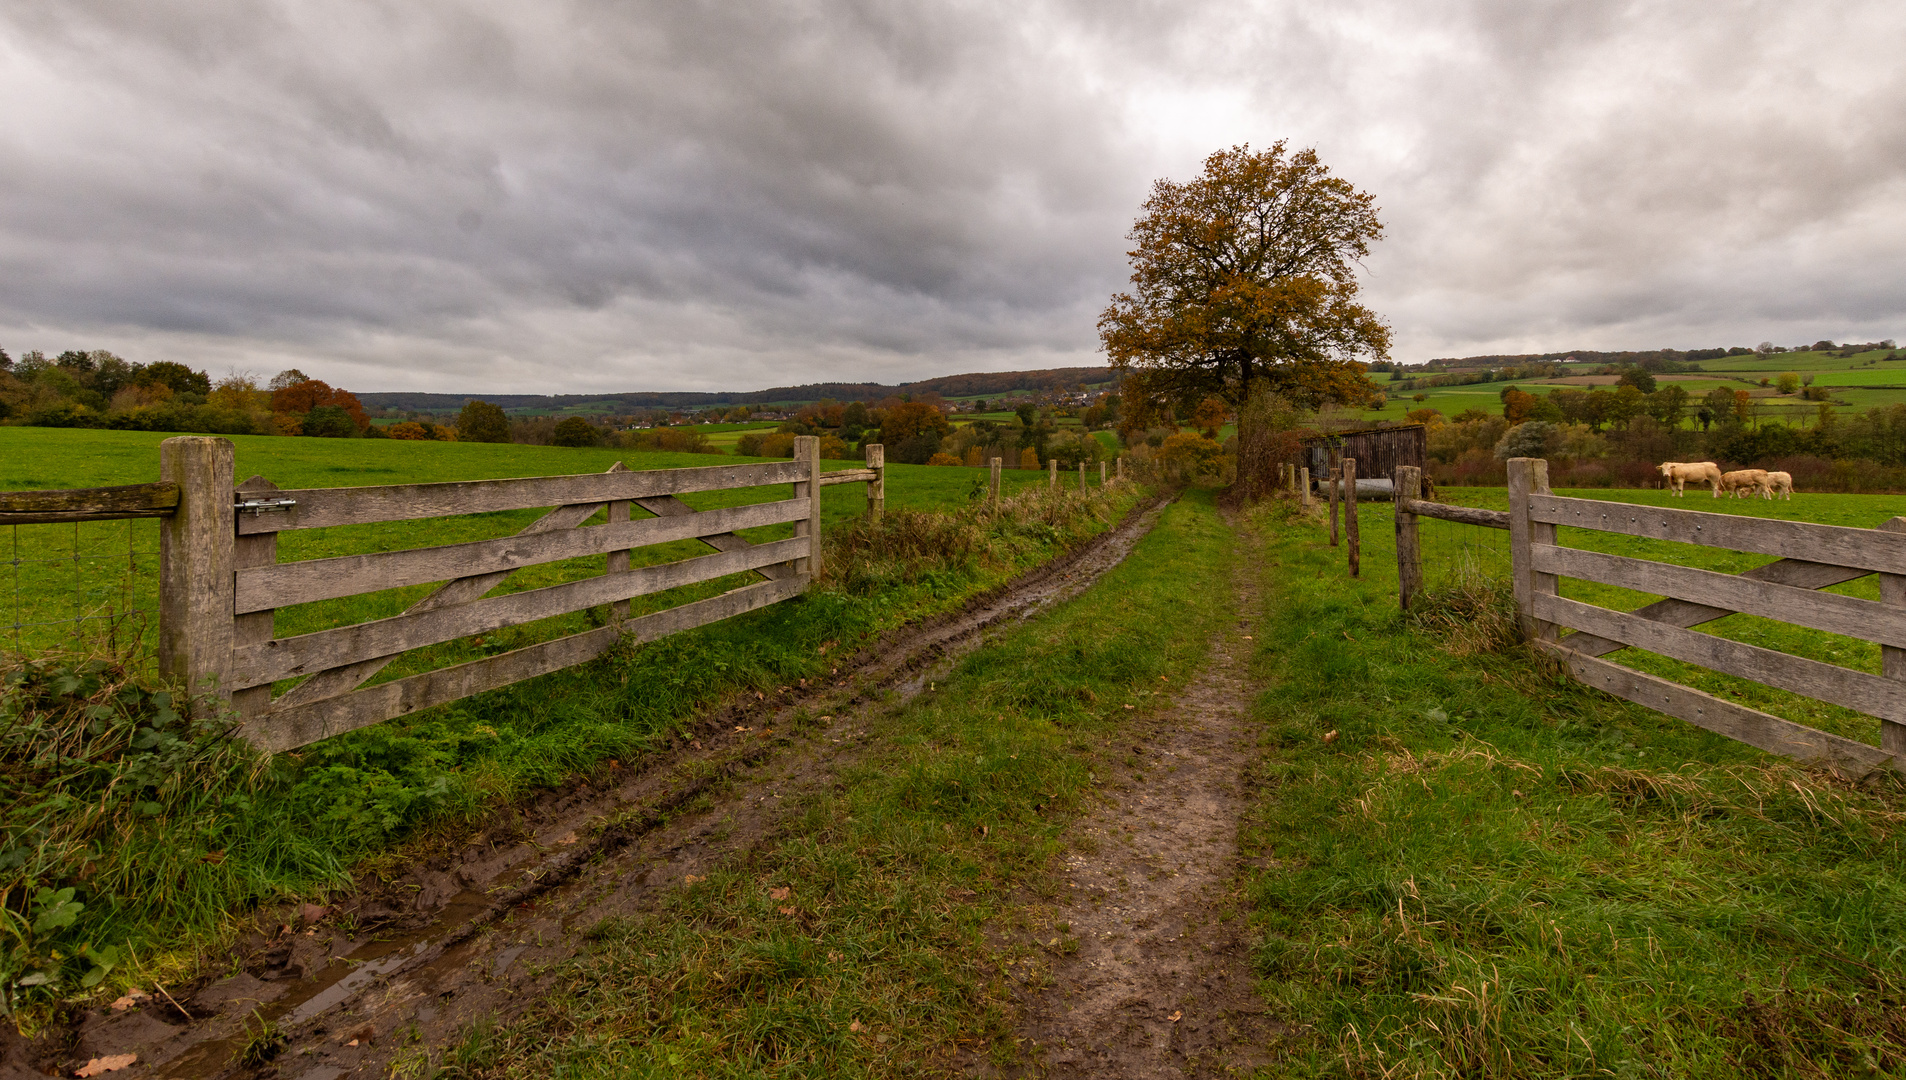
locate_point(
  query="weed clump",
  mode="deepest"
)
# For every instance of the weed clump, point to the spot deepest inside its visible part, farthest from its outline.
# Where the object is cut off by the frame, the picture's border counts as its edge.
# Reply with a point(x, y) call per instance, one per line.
point(107, 786)
point(1474, 615)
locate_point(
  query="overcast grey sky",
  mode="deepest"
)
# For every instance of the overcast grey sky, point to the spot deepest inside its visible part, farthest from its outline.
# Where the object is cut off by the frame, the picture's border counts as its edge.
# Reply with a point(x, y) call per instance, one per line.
point(567, 196)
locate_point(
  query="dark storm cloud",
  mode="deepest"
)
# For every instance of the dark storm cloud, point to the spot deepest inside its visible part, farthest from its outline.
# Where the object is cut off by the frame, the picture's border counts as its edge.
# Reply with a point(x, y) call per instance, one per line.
point(592, 196)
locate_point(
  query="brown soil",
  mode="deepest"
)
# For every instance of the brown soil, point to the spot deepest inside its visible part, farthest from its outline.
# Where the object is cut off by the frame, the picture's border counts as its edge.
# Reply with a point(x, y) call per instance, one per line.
point(318, 994)
point(1145, 970)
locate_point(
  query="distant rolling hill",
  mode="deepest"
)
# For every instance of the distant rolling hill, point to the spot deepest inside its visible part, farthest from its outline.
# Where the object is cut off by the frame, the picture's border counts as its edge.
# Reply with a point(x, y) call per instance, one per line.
point(985, 383)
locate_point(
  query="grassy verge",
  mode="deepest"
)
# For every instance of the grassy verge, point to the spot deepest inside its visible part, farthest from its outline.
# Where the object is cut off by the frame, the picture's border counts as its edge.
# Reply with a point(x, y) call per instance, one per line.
point(854, 945)
point(127, 830)
point(1492, 871)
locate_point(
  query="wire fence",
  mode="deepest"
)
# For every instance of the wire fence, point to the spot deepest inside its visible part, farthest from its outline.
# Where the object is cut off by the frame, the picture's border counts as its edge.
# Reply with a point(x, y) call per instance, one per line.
point(84, 587)
point(1458, 555)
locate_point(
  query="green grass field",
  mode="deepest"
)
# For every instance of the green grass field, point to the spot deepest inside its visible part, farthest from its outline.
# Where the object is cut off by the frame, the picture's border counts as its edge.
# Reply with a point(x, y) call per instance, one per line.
point(1490, 870)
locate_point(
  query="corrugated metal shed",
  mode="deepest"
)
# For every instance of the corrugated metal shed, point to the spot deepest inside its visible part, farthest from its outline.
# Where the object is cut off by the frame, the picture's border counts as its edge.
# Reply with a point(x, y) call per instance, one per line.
point(1378, 451)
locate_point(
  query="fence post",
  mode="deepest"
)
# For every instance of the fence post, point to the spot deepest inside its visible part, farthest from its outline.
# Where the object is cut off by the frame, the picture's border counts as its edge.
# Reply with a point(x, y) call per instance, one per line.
point(1893, 660)
point(877, 487)
point(1081, 476)
point(197, 558)
point(1101, 472)
point(1331, 487)
point(1529, 477)
point(1052, 474)
point(1409, 556)
point(617, 562)
point(807, 450)
point(1352, 539)
point(1121, 466)
point(255, 627)
point(993, 481)
point(1303, 488)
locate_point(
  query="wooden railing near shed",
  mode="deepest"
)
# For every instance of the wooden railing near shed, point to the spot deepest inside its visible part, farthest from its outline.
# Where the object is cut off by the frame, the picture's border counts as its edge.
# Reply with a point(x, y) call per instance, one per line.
point(1809, 558)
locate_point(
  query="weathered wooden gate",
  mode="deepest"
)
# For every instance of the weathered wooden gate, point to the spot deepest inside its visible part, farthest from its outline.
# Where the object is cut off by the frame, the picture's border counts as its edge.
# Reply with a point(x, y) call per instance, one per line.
point(221, 578)
point(1809, 558)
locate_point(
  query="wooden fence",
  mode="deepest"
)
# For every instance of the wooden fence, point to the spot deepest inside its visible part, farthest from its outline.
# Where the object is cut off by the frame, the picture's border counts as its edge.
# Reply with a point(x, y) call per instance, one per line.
point(1809, 558)
point(220, 578)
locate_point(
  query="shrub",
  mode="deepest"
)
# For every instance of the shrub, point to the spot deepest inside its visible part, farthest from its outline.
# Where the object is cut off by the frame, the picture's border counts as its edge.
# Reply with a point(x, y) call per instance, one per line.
point(943, 459)
point(329, 422)
point(574, 431)
point(482, 421)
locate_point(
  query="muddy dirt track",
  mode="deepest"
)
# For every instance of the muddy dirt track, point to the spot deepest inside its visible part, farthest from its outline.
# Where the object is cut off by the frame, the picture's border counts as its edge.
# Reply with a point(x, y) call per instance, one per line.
point(464, 935)
point(1147, 976)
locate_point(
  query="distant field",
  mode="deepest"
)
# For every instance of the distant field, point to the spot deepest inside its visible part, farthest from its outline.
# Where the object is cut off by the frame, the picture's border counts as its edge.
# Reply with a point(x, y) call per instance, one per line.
point(105, 571)
point(1845, 374)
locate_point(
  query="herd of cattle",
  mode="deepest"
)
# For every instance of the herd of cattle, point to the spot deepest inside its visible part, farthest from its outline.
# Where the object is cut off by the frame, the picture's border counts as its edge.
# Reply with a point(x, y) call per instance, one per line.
point(1738, 483)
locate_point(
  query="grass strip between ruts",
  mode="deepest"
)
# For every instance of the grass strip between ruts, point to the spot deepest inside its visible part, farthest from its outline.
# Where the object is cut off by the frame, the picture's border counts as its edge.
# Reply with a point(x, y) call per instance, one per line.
point(1493, 871)
point(875, 961)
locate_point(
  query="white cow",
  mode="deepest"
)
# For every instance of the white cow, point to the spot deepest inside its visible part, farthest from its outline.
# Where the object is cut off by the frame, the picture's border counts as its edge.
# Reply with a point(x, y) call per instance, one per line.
point(1780, 483)
point(1741, 481)
point(1678, 473)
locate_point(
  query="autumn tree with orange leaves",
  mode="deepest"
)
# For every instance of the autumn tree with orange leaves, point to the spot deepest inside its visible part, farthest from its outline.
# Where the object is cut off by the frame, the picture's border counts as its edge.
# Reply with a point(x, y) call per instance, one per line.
point(1246, 274)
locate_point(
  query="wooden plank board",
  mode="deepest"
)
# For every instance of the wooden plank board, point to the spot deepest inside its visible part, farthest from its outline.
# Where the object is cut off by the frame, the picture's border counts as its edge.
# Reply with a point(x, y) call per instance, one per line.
point(1856, 690)
point(848, 476)
point(1723, 717)
point(1869, 549)
point(347, 677)
point(288, 728)
point(1795, 572)
point(321, 507)
point(1528, 480)
point(1467, 515)
point(255, 626)
point(1848, 615)
point(670, 506)
point(88, 504)
point(287, 657)
point(349, 575)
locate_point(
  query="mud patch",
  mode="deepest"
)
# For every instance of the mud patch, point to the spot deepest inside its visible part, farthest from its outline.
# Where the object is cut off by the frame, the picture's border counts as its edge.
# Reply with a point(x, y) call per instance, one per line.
point(1140, 968)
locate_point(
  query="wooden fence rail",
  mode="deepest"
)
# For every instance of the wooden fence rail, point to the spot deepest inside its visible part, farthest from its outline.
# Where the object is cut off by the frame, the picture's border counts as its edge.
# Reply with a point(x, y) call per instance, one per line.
point(220, 580)
point(1810, 557)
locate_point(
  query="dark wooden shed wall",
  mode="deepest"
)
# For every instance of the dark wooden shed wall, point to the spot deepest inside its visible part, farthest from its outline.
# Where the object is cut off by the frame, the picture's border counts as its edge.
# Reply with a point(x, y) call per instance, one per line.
point(1378, 451)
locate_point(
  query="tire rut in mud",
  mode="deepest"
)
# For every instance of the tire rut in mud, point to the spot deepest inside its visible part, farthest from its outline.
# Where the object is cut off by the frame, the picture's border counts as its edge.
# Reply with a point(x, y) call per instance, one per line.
point(411, 961)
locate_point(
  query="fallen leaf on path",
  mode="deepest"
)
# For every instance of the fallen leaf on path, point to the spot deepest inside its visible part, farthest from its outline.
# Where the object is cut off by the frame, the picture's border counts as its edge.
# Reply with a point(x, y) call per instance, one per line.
point(856, 1027)
point(567, 839)
point(696, 743)
point(213, 857)
point(1131, 706)
point(110, 1063)
point(789, 911)
point(691, 879)
point(781, 893)
point(133, 997)
point(1176, 1016)
point(1330, 737)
